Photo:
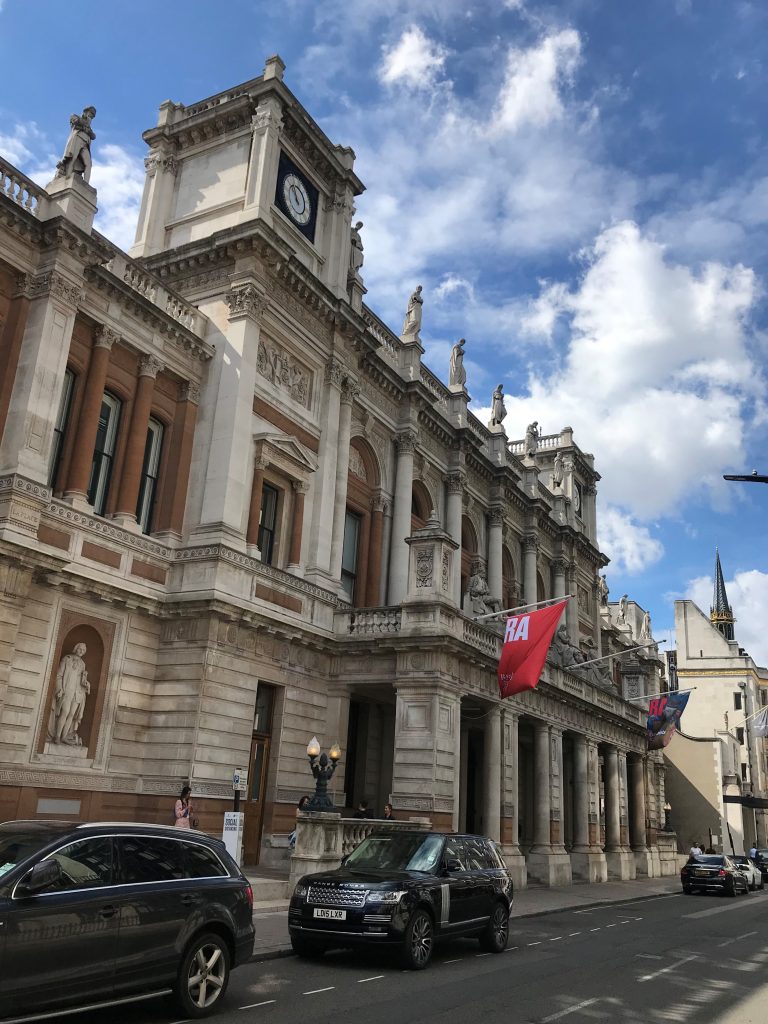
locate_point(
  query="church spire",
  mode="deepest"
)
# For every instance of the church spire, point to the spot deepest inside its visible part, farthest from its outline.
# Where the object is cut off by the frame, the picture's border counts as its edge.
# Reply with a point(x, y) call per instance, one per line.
point(720, 614)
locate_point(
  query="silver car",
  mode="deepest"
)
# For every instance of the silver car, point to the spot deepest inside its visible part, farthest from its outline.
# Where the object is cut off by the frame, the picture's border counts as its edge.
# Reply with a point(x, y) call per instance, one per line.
point(751, 871)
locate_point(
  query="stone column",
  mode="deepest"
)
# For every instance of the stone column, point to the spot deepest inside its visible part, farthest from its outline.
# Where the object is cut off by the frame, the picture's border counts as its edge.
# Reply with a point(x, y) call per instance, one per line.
point(637, 816)
point(401, 518)
point(580, 795)
point(27, 437)
point(300, 489)
point(170, 518)
point(510, 807)
point(454, 485)
point(572, 608)
point(612, 800)
point(587, 859)
point(530, 587)
point(254, 505)
point(349, 390)
point(11, 335)
point(548, 862)
point(495, 557)
point(541, 789)
point(130, 480)
point(76, 486)
point(324, 495)
point(558, 571)
point(377, 540)
point(492, 776)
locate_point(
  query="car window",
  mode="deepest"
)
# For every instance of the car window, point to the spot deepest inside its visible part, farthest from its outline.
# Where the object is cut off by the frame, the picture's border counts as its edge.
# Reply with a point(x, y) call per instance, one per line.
point(701, 858)
point(476, 856)
point(454, 850)
point(202, 862)
point(150, 859)
point(18, 844)
point(396, 852)
point(86, 864)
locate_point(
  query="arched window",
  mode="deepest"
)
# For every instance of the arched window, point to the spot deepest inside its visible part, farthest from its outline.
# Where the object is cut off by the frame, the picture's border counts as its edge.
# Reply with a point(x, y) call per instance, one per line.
point(421, 506)
point(468, 552)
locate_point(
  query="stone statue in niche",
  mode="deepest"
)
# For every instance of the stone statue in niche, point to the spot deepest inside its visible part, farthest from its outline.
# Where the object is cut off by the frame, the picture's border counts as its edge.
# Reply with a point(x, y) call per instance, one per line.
point(356, 249)
point(77, 152)
point(557, 470)
point(457, 375)
point(532, 438)
point(479, 597)
point(70, 695)
point(603, 591)
point(498, 409)
point(279, 369)
point(412, 322)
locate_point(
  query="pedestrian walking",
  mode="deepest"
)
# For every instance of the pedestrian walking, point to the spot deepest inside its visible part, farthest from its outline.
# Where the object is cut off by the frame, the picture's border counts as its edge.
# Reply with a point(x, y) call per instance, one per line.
point(753, 853)
point(362, 810)
point(388, 815)
point(183, 812)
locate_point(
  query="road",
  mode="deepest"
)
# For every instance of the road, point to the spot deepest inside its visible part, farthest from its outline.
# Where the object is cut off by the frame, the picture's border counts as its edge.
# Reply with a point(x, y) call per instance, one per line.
point(682, 959)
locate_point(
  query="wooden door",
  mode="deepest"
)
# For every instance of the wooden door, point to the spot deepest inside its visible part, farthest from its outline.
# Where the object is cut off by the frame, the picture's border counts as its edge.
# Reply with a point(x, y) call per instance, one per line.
point(258, 771)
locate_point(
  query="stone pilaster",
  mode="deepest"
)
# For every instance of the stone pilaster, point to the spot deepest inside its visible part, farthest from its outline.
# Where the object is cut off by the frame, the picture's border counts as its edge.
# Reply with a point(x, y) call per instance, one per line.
point(401, 518)
point(530, 556)
point(160, 169)
point(454, 488)
point(510, 806)
point(324, 497)
point(349, 391)
point(587, 860)
point(15, 581)
point(492, 776)
point(495, 532)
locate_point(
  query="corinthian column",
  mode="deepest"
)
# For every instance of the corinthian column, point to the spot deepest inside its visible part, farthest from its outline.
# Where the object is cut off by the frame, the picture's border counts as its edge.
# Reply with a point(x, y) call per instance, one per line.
point(530, 588)
point(349, 391)
point(401, 518)
point(130, 481)
point(495, 527)
point(454, 484)
point(88, 424)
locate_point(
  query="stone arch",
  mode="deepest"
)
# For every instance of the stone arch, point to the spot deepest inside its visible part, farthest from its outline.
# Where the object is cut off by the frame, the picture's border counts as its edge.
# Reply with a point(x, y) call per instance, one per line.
point(541, 588)
point(364, 515)
point(364, 462)
point(510, 582)
point(421, 505)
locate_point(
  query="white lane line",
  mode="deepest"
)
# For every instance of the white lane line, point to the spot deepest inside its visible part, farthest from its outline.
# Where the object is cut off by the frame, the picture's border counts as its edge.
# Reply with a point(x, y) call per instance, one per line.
point(556, 938)
point(721, 910)
point(571, 934)
point(596, 929)
point(482, 954)
point(647, 956)
point(666, 970)
point(314, 991)
point(511, 949)
point(746, 935)
point(457, 961)
point(534, 943)
point(376, 977)
point(569, 1009)
point(252, 1006)
point(611, 925)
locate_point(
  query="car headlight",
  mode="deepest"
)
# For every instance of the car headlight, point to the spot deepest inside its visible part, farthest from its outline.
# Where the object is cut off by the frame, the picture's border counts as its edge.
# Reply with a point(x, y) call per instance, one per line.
point(300, 891)
point(386, 897)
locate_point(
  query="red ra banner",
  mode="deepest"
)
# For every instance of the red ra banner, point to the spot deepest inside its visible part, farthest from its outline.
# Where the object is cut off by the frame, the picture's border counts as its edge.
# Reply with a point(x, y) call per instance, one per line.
point(526, 642)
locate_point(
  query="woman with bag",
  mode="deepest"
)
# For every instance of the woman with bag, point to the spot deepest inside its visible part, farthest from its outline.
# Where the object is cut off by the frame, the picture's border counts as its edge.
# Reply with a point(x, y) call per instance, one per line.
point(183, 812)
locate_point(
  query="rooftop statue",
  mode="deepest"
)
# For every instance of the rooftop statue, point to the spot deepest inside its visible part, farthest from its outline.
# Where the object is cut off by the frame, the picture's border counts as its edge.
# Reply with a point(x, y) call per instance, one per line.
point(457, 374)
point(532, 438)
point(356, 248)
point(412, 322)
point(604, 591)
point(498, 409)
point(557, 470)
point(77, 153)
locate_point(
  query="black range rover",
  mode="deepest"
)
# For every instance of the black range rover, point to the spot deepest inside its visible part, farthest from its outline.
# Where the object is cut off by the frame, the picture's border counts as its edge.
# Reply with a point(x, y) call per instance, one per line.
point(405, 889)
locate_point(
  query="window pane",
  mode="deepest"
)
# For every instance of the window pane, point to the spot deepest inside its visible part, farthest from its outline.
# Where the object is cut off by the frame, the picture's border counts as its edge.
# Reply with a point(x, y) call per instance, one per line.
point(351, 533)
point(262, 720)
point(149, 472)
point(101, 469)
point(84, 865)
point(268, 523)
point(257, 768)
point(203, 863)
point(146, 859)
point(476, 856)
point(454, 850)
point(60, 427)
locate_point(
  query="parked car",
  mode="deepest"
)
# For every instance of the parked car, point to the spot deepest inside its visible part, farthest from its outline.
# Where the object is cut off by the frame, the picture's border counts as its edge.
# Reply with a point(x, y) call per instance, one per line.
point(761, 860)
point(750, 870)
point(101, 914)
point(405, 889)
point(712, 873)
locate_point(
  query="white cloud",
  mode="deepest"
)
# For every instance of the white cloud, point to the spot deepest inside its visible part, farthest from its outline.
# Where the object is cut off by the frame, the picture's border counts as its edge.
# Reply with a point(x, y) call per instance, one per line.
point(630, 547)
point(657, 380)
point(415, 60)
point(118, 177)
point(450, 284)
point(748, 595)
point(18, 147)
point(531, 90)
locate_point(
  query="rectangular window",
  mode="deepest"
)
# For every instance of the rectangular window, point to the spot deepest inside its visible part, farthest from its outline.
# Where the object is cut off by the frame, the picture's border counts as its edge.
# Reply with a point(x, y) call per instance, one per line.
point(737, 701)
point(743, 772)
point(349, 556)
point(268, 523)
point(104, 453)
point(145, 506)
point(265, 702)
point(740, 735)
point(60, 427)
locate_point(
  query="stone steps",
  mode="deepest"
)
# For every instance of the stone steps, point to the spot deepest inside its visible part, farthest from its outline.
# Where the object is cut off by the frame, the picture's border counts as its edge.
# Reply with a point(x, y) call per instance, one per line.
point(269, 890)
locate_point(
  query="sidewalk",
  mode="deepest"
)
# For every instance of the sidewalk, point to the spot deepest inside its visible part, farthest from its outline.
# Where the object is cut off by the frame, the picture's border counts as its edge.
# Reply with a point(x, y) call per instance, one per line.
point(272, 925)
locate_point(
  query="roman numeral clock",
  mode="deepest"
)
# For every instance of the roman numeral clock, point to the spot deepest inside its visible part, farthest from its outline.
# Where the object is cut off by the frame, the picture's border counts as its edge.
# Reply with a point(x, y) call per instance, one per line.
point(296, 197)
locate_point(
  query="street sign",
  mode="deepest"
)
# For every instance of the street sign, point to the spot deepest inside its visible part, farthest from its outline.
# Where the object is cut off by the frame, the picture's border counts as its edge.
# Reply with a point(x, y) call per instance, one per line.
point(240, 780)
point(232, 834)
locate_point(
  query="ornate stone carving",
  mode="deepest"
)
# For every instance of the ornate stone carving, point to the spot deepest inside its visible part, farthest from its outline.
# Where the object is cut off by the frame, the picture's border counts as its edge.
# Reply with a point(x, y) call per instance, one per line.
point(446, 570)
point(457, 375)
point(149, 366)
point(265, 118)
point(559, 566)
point(405, 443)
point(190, 392)
point(70, 695)
point(498, 409)
point(496, 516)
point(356, 464)
point(531, 438)
point(356, 256)
point(160, 162)
point(57, 286)
point(530, 542)
point(455, 482)
point(424, 567)
point(412, 322)
point(105, 337)
point(334, 373)
point(350, 389)
point(247, 300)
point(282, 370)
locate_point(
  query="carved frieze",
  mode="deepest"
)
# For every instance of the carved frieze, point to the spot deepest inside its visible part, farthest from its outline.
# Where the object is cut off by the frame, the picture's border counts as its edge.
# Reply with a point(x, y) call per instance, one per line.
point(247, 300)
point(424, 567)
point(57, 286)
point(281, 369)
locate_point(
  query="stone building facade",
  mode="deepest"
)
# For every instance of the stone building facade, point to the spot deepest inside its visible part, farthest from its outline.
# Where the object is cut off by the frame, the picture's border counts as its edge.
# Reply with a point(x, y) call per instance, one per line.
point(260, 513)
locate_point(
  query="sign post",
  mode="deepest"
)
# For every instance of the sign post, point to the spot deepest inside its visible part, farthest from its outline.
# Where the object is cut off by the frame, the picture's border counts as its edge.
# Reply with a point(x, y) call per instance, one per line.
point(232, 834)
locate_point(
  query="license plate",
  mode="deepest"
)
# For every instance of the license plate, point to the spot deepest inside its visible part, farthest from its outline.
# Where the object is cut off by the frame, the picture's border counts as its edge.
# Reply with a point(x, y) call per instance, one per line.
point(701, 871)
point(333, 915)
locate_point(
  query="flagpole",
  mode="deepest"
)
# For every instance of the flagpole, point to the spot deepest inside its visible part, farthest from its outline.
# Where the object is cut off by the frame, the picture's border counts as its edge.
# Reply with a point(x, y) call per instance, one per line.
point(520, 608)
point(616, 654)
point(650, 696)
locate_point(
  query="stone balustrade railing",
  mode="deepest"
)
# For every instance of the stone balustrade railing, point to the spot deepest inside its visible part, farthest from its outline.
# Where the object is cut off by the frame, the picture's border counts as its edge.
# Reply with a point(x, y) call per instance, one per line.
point(19, 188)
point(374, 621)
point(355, 830)
point(482, 637)
point(146, 284)
point(390, 343)
point(544, 442)
point(435, 386)
point(477, 428)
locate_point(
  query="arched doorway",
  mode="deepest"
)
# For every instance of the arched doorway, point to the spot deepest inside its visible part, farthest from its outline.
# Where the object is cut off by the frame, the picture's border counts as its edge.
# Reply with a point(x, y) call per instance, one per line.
point(468, 552)
point(361, 552)
point(509, 585)
point(421, 506)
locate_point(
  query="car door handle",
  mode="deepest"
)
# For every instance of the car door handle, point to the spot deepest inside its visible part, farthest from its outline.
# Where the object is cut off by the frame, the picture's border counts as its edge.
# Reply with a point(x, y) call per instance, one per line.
point(108, 911)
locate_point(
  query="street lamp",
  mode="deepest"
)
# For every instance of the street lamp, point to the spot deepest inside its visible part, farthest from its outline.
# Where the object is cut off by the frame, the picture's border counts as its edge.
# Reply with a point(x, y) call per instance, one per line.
point(667, 817)
point(322, 769)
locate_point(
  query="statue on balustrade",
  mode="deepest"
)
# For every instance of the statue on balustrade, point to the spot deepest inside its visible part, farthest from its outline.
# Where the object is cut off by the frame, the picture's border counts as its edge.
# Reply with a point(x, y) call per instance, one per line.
point(457, 374)
point(479, 600)
point(645, 631)
point(412, 322)
point(69, 697)
point(498, 409)
point(77, 152)
point(356, 249)
point(623, 608)
point(532, 438)
point(604, 591)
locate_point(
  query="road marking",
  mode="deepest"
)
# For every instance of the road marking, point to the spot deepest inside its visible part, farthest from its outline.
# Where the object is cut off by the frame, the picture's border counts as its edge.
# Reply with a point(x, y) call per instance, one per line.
point(314, 991)
point(666, 970)
point(457, 961)
point(648, 956)
point(534, 943)
point(596, 929)
point(252, 1006)
point(569, 1009)
point(570, 936)
point(482, 954)
point(721, 910)
point(376, 977)
point(746, 935)
point(728, 942)
point(556, 938)
point(611, 925)
point(511, 949)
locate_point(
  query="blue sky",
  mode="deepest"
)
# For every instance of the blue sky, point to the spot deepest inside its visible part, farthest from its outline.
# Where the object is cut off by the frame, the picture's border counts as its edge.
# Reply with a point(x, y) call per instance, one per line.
point(581, 187)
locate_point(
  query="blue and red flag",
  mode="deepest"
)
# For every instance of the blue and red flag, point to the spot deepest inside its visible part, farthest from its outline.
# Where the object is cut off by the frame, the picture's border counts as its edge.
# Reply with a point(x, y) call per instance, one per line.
point(526, 642)
point(664, 718)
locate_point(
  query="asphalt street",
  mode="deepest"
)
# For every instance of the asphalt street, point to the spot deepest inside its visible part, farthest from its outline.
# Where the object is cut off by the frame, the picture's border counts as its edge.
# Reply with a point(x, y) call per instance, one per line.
point(666, 959)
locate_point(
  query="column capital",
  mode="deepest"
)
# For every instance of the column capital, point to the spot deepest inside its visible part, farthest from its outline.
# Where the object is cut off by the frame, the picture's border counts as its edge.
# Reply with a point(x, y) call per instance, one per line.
point(334, 373)
point(158, 161)
point(300, 486)
point(496, 516)
point(266, 117)
point(559, 566)
point(57, 286)
point(350, 389)
point(455, 482)
point(190, 392)
point(150, 366)
point(379, 503)
point(105, 337)
point(247, 300)
point(530, 542)
point(405, 443)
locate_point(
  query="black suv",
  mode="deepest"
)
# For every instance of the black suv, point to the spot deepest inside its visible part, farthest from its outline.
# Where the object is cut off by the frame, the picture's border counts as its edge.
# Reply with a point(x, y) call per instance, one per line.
point(405, 888)
point(94, 915)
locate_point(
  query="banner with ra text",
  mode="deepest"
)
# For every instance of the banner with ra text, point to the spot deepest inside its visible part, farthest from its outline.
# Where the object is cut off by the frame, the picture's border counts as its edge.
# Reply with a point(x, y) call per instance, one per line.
point(664, 718)
point(526, 641)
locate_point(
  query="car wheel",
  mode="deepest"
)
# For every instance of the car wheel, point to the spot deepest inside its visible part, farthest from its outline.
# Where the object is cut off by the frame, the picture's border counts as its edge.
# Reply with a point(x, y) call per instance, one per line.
point(753, 887)
point(730, 889)
point(306, 948)
point(494, 938)
point(203, 976)
point(762, 882)
point(419, 941)
point(688, 890)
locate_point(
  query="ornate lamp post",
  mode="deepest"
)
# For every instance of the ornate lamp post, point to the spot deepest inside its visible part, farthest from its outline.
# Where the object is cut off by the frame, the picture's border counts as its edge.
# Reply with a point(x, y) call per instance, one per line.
point(323, 766)
point(667, 817)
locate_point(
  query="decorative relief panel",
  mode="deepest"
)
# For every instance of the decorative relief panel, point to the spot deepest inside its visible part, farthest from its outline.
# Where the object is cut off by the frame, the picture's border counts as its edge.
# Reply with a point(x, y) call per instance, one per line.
point(424, 567)
point(356, 464)
point(282, 370)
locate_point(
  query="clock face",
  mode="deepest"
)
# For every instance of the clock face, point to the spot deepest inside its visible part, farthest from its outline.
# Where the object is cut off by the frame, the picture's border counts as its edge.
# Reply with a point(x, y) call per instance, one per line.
point(296, 199)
